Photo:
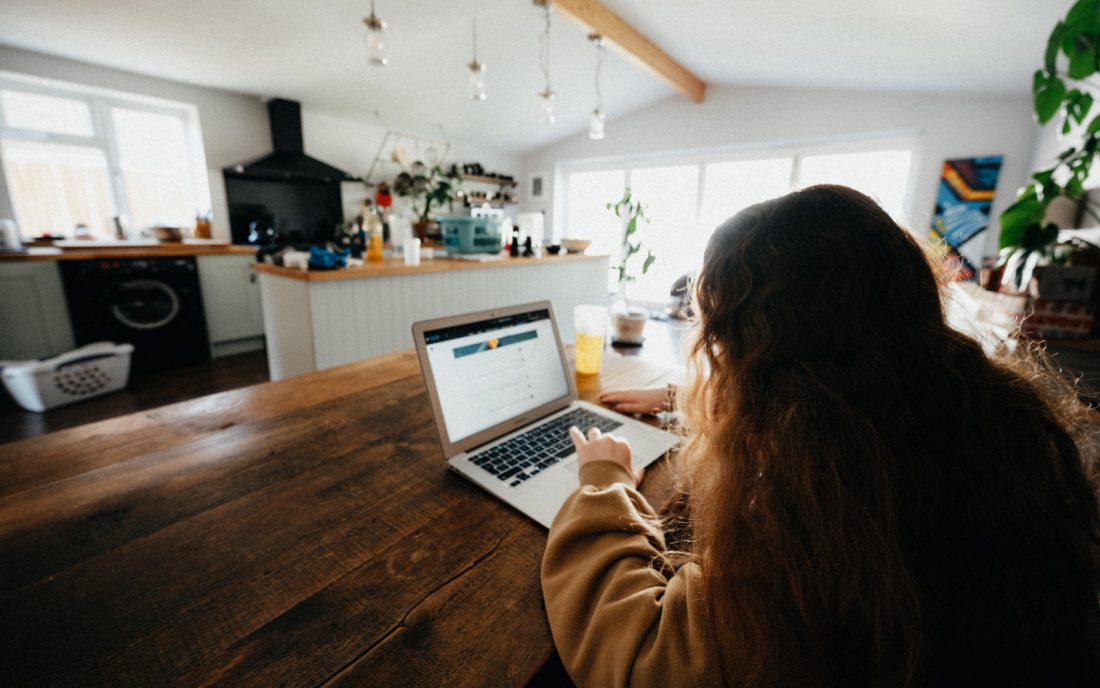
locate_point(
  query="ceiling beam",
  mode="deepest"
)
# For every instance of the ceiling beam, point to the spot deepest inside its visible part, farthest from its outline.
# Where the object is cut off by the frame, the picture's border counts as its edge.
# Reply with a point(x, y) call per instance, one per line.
point(595, 18)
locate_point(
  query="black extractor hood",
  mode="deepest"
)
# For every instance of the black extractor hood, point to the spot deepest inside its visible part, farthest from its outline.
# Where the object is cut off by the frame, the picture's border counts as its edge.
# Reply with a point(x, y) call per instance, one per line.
point(288, 162)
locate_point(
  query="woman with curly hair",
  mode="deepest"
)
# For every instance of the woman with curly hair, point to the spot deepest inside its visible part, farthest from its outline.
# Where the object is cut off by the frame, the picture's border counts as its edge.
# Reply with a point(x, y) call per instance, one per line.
point(871, 498)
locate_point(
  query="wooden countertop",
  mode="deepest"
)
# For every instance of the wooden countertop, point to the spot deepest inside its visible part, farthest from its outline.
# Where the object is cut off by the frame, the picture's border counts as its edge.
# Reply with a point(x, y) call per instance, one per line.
point(396, 266)
point(99, 252)
point(289, 533)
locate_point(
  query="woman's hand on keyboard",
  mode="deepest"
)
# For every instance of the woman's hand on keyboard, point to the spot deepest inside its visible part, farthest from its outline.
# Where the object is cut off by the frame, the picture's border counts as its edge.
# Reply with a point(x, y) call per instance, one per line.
point(649, 400)
point(597, 446)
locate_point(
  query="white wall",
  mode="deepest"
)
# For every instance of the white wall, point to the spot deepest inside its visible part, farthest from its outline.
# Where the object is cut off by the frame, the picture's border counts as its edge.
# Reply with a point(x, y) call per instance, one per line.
point(949, 126)
point(235, 126)
point(351, 142)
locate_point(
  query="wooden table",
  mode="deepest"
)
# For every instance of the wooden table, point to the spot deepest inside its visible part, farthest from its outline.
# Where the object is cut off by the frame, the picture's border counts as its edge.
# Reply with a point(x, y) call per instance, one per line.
point(304, 532)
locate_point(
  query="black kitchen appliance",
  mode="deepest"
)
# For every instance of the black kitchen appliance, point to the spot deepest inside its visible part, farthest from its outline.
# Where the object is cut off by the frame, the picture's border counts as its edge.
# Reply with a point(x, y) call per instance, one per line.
point(153, 303)
point(286, 197)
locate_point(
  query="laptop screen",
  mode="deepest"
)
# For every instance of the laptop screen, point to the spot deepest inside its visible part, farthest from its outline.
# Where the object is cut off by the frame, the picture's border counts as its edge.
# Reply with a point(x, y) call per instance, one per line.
point(489, 371)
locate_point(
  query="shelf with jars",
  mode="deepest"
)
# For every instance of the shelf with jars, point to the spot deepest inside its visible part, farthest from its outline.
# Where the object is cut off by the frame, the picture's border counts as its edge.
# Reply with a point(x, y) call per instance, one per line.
point(497, 191)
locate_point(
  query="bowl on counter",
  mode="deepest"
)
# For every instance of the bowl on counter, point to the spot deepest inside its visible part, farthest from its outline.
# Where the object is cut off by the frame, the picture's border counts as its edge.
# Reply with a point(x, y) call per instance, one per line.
point(167, 233)
point(576, 245)
point(553, 249)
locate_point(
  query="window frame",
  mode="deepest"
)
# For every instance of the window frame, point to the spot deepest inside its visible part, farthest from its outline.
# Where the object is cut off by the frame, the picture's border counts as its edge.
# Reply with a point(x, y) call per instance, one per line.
point(100, 103)
point(908, 140)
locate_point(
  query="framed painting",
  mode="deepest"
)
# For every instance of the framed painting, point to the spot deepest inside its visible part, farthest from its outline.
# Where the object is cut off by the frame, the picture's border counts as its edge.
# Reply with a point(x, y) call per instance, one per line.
point(964, 198)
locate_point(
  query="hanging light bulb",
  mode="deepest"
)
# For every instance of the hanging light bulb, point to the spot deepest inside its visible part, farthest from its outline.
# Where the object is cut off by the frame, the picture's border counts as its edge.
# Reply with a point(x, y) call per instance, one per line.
point(548, 98)
point(477, 72)
point(596, 121)
point(376, 50)
point(547, 94)
point(596, 125)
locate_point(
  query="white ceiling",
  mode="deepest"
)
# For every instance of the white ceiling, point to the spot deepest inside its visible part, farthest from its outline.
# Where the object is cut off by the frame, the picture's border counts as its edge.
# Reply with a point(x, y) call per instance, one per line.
point(313, 52)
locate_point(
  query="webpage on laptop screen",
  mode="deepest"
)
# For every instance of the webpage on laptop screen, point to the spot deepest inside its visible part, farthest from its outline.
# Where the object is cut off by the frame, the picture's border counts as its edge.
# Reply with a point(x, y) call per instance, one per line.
point(489, 371)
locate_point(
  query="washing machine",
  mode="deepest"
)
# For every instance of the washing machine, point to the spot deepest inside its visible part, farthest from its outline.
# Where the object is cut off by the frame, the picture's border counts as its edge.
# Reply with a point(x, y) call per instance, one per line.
point(153, 303)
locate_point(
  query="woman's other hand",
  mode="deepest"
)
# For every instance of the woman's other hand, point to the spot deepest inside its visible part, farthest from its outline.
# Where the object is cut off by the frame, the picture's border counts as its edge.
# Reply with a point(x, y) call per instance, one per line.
point(650, 400)
point(600, 447)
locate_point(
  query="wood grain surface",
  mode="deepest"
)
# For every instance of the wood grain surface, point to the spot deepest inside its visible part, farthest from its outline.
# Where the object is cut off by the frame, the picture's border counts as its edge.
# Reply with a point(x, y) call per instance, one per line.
point(396, 266)
point(301, 533)
point(165, 250)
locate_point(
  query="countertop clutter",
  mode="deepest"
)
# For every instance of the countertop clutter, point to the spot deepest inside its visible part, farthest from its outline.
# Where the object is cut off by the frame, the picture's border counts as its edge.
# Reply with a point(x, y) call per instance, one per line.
point(393, 267)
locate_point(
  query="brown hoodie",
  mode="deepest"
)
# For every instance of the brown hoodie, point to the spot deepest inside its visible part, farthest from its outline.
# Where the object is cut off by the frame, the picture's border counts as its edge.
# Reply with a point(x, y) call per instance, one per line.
point(620, 617)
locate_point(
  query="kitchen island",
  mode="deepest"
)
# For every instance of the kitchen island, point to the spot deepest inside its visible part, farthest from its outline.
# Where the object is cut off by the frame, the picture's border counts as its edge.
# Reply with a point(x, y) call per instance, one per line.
point(319, 319)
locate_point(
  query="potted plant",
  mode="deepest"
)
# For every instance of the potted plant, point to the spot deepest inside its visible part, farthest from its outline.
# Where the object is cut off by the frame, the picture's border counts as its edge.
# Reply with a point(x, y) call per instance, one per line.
point(629, 321)
point(428, 189)
point(1027, 240)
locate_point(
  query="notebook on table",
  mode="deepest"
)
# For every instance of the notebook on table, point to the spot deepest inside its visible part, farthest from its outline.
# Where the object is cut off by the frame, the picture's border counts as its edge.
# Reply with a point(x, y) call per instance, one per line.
point(503, 396)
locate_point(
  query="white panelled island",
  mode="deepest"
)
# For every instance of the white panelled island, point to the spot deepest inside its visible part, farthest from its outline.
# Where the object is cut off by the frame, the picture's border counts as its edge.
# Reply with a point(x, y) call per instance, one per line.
point(319, 319)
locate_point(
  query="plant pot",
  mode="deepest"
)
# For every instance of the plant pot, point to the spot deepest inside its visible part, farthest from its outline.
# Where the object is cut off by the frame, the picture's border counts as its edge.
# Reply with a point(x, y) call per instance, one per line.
point(629, 327)
point(427, 231)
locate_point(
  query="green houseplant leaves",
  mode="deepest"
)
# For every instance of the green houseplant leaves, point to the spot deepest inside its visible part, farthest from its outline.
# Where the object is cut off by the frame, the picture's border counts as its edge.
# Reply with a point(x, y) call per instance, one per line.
point(1072, 55)
point(630, 209)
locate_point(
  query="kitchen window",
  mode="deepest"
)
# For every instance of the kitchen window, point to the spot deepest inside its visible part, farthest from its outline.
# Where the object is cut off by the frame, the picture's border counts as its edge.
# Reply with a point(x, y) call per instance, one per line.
point(76, 156)
point(688, 196)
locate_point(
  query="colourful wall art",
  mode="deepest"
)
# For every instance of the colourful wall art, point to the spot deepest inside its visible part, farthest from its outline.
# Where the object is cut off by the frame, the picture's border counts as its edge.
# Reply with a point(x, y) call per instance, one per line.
point(964, 198)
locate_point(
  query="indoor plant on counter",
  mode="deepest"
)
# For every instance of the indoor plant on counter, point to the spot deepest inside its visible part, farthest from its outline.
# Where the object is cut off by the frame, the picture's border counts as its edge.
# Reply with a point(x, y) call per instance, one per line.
point(629, 321)
point(1028, 238)
point(427, 189)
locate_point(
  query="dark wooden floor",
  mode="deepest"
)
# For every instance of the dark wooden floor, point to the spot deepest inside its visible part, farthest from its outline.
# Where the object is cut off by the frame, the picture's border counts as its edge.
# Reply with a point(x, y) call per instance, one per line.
point(145, 391)
point(663, 345)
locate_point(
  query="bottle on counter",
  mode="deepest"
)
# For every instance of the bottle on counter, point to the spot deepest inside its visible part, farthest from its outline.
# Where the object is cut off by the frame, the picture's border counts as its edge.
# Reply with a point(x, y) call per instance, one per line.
point(514, 248)
point(374, 236)
point(121, 225)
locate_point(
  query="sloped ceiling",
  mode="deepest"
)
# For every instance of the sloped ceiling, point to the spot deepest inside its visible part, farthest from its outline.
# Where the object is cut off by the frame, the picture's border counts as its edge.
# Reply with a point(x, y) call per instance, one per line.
point(314, 52)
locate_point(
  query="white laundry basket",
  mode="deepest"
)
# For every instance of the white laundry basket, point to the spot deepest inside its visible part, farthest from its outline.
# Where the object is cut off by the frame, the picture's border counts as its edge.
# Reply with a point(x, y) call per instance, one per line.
point(79, 374)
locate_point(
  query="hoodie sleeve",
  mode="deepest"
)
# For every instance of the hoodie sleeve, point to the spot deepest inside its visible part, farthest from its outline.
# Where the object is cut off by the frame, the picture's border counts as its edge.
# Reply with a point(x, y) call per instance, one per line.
point(618, 616)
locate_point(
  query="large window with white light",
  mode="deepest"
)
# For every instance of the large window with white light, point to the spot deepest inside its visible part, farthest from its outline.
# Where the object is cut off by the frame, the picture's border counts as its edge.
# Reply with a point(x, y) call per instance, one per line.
point(76, 157)
point(688, 196)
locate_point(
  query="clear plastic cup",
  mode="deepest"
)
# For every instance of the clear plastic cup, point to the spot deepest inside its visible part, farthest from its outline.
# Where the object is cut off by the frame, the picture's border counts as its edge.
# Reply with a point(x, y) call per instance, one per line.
point(590, 323)
point(411, 251)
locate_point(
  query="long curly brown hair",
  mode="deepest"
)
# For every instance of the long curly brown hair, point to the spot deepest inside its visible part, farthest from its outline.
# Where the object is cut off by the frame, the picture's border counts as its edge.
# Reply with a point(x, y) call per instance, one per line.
point(875, 500)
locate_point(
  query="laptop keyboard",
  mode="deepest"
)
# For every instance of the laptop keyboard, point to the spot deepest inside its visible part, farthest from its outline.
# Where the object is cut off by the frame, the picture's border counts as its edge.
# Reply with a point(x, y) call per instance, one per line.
point(527, 455)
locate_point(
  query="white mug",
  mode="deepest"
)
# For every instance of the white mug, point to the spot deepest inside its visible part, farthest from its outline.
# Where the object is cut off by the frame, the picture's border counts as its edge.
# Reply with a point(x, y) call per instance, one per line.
point(9, 236)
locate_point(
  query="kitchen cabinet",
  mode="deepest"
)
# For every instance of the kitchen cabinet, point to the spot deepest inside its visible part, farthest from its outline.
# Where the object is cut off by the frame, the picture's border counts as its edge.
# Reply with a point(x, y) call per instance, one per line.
point(231, 298)
point(34, 319)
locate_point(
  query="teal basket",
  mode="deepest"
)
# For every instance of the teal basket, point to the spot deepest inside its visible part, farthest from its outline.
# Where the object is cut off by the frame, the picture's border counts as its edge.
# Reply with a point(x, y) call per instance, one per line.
point(463, 234)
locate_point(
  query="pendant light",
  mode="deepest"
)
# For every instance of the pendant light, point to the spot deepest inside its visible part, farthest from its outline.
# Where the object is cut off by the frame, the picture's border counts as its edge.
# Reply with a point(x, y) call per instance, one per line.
point(596, 122)
point(376, 50)
point(477, 72)
point(546, 95)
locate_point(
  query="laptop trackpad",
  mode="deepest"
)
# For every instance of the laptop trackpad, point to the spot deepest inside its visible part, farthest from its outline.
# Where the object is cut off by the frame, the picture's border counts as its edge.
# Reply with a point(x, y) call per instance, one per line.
point(573, 465)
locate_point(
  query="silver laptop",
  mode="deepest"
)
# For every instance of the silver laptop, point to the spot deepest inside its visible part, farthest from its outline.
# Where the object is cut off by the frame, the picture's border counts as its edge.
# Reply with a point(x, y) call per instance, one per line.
point(504, 397)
